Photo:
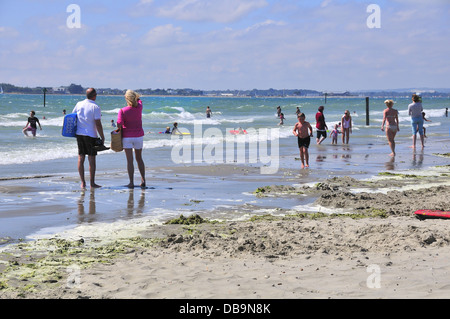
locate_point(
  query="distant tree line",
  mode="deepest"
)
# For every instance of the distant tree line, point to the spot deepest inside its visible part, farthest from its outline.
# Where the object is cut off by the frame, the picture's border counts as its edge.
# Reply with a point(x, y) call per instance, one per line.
point(79, 89)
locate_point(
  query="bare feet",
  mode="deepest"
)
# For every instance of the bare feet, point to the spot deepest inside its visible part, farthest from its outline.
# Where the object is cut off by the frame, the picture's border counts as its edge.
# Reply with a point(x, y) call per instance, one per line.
point(95, 186)
point(131, 185)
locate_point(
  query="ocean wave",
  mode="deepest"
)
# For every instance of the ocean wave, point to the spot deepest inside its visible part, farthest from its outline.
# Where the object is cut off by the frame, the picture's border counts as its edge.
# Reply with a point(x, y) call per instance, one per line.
point(35, 154)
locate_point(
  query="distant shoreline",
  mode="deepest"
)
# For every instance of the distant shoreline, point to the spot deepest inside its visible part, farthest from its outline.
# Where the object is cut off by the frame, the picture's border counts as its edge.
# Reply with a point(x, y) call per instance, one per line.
point(243, 97)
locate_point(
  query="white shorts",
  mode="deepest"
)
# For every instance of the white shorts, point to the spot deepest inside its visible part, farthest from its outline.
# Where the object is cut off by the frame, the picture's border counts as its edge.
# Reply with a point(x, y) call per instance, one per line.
point(133, 142)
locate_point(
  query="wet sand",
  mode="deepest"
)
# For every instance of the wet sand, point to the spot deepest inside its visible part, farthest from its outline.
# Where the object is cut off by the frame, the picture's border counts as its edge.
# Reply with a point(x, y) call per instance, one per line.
point(372, 247)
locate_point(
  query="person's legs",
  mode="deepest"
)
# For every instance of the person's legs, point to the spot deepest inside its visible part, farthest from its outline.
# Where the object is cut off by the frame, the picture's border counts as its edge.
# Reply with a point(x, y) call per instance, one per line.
point(302, 156)
point(92, 168)
point(130, 166)
point(321, 135)
point(415, 129)
point(306, 153)
point(141, 165)
point(420, 130)
point(81, 159)
point(391, 136)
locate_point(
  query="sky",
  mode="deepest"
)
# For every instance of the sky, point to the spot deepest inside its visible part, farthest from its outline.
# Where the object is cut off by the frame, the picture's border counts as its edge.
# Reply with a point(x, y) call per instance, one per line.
point(325, 45)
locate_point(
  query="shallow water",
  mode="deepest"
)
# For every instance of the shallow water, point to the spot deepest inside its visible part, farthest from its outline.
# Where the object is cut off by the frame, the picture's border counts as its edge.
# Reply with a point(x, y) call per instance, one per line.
point(43, 204)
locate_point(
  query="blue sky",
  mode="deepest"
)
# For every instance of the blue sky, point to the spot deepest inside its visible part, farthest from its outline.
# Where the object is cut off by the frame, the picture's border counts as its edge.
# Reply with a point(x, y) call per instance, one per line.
point(226, 44)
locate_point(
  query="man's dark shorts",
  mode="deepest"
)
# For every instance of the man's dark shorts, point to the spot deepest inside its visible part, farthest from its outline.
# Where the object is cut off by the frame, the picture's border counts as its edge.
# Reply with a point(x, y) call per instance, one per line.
point(86, 145)
point(304, 142)
point(321, 133)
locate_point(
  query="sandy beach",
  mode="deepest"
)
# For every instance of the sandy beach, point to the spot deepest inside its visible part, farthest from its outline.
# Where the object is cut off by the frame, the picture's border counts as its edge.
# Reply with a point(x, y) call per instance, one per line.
point(372, 247)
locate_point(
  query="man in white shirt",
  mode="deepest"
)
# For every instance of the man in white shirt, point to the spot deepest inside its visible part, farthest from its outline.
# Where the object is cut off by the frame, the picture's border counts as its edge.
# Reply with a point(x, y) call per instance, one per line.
point(88, 124)
point(415, 110)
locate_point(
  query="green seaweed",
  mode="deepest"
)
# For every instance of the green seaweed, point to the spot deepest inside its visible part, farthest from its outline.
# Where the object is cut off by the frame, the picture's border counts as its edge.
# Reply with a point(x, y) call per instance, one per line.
point(369, 213)
point(52, 257)
point(444, 154)
point(266, 217)
point(260, 191)
point(399, 175)
point(191, 220)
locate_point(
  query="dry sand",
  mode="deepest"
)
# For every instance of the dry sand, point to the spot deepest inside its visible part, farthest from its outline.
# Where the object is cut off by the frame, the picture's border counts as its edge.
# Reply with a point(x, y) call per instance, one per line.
point(387, 254)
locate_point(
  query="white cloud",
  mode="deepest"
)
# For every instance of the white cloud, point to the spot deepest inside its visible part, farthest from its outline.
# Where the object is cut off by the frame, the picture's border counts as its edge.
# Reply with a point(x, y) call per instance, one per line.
point(325, 3)
point(164, 35)
point(210, 10)
point(8, 32)
point(290, 46)
point(265, 24)
point(29, 47)
point(424, 3)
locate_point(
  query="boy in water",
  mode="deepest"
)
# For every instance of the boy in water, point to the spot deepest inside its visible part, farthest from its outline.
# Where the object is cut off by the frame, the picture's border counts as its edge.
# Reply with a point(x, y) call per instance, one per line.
point(282, 118)
point(304, 139)
point(31, 124)
point(175, 129)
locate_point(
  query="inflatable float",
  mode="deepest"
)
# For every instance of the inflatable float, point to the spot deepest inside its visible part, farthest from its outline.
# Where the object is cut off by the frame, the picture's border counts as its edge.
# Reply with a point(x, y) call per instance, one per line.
point(429, 213)
point(236, 132)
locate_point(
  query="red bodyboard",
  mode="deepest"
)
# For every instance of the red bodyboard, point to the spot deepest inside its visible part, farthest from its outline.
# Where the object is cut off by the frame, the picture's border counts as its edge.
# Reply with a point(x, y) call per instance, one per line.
point(236, 132)
point(429, 213)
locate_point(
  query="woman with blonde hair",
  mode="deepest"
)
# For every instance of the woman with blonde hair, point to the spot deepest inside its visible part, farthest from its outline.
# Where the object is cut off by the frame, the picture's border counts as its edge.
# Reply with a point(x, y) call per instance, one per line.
point(346, 127)
point(390, 117)
point(130, 122)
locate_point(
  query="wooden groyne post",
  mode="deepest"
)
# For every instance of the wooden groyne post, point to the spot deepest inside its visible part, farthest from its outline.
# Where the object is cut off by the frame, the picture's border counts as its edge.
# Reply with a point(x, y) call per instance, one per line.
point(367, 111)
point(45, 92)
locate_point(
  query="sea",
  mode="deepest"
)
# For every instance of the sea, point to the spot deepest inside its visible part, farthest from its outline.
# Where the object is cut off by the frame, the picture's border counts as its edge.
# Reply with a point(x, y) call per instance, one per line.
point(28, 162)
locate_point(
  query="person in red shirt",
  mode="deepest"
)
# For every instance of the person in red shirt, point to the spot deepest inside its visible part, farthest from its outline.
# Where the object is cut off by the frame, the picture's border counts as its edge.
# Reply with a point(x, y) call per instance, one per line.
point(321, 126)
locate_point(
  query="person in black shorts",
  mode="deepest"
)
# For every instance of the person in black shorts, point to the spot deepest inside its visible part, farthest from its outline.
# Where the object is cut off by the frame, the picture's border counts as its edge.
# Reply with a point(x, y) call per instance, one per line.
point(31, 124)
point(88, 124)
point(301, 129)
point(321, 126)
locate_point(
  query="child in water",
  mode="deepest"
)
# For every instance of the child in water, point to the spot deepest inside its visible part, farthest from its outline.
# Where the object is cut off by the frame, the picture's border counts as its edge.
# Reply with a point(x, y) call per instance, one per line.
point(281, 119)
point(31, 124)
point(175, 129)
point(427, 120)
point(334, 134)
point(303, 138)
